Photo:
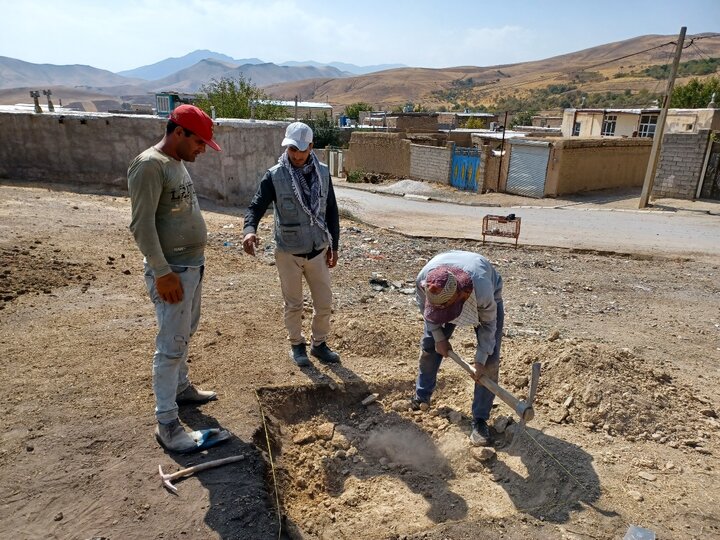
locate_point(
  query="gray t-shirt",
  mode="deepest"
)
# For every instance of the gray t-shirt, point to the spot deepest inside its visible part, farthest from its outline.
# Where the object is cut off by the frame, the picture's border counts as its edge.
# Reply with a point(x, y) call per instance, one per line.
point(166, 220)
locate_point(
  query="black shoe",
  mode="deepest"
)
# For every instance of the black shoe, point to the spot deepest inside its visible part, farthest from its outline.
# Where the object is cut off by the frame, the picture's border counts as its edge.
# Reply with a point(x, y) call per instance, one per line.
point(299, 355)
point(480, 435)
point(417, 405)
point(323, 353)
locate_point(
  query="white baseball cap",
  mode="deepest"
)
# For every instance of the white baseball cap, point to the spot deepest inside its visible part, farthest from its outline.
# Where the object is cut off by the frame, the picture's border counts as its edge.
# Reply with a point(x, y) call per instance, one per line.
point(298, 135)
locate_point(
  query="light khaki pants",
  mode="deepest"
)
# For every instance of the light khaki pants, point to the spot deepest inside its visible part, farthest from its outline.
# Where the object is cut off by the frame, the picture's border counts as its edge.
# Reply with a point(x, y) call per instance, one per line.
point(291, 270)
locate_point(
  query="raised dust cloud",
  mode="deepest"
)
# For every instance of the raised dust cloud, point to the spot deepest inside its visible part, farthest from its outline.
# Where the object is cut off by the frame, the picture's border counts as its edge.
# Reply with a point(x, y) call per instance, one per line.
point(406, 446)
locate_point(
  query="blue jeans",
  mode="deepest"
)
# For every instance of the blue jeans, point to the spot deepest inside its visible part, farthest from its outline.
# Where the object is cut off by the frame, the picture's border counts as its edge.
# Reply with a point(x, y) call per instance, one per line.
point(430, 364)
point(176, 325)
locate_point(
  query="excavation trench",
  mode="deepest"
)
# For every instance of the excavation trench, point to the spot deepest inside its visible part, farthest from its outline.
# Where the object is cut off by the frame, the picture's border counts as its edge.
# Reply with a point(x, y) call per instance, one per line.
point(348, 470)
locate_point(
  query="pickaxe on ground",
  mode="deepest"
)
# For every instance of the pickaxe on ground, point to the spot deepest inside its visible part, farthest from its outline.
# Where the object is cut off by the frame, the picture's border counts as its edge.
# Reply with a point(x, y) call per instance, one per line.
point(168, 478)
point(524, 409)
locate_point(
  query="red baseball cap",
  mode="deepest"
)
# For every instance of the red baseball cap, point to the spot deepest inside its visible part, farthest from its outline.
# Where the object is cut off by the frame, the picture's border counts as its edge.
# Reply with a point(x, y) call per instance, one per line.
point(194, 119)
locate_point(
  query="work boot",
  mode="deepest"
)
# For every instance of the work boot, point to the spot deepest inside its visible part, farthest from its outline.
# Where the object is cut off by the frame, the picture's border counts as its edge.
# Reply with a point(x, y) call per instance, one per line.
point(194, 395)
point(299, 355)
point(480, 435)
point(323, 353)
point(174, 438)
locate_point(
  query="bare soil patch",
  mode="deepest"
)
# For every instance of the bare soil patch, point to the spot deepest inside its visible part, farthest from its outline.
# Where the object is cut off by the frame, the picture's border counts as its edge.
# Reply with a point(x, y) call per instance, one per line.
point(626, 429)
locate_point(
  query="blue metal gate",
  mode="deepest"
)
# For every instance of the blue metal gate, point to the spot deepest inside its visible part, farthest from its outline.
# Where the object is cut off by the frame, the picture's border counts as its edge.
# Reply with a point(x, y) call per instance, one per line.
point(465, 171)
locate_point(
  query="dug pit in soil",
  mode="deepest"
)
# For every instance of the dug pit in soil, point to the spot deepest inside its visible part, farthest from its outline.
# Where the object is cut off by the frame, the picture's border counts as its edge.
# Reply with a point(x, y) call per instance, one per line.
point(346, 470)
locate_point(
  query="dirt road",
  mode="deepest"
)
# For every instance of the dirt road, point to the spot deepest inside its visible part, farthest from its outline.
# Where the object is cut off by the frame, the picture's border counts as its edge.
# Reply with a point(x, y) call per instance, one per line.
point(626, 405)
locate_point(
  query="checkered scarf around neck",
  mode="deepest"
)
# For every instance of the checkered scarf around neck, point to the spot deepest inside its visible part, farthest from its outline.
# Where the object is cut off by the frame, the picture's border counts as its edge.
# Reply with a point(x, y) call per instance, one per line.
point(307, 196)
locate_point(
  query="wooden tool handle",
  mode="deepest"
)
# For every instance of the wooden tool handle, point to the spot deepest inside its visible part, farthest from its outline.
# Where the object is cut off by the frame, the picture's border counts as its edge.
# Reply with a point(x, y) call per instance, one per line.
point(204, 466)
point(491, 385)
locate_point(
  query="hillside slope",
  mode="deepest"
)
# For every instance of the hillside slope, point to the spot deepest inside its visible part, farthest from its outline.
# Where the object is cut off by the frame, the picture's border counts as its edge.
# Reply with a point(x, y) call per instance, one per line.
point(597, 69)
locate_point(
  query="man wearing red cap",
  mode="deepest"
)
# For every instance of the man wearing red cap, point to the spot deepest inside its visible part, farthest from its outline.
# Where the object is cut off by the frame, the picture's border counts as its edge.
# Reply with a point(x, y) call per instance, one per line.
point(460, 288)
point(307, 230)
point(170, 231)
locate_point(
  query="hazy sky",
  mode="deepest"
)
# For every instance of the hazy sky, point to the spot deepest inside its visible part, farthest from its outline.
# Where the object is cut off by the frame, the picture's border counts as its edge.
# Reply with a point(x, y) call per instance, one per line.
point(125, 34)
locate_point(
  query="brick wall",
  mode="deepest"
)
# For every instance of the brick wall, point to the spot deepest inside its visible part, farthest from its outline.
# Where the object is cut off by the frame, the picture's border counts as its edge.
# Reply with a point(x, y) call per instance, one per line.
point(430, 163)
point(680, 164)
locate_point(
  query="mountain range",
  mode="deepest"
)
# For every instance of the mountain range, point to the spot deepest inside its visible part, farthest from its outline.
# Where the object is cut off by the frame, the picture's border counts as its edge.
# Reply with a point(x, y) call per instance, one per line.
point(613, 67)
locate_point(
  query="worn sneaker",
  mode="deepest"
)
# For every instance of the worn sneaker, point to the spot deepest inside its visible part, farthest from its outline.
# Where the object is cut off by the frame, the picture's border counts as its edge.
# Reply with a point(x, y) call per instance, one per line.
point(299, 355)
point(480, 435)
point(174, 438)
point(323, 353)
point(194, 395)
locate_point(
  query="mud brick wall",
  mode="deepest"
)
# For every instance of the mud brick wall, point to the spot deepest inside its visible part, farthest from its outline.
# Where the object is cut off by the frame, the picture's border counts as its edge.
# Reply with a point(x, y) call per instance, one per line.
point(430, 163)
point(387, 153)
point(680, 164)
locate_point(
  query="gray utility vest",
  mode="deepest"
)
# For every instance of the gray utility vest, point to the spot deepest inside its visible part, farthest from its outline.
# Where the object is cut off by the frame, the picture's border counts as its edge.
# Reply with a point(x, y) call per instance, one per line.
point(293, 231)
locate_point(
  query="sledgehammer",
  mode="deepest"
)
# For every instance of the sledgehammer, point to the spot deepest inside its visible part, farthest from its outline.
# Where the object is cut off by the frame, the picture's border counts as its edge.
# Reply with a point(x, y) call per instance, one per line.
point(168, 478)
point(524, 409)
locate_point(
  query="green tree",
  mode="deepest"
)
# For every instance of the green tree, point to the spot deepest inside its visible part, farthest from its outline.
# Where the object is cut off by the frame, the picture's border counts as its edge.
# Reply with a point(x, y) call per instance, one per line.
point(325, 133)
point(523, 118)
point(232, 98)
point(475, 123)
point(696, 94)
point(353, 110)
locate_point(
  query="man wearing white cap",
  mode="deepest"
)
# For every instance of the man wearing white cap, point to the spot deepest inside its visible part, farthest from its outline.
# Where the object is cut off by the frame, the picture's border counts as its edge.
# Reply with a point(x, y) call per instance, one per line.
point(170, 231)
point(307, 231)
point(460, 288)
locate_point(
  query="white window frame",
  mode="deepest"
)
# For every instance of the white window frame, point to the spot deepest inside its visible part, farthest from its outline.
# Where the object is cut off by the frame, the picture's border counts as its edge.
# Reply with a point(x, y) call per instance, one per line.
point(609, 124)
point(648, 123)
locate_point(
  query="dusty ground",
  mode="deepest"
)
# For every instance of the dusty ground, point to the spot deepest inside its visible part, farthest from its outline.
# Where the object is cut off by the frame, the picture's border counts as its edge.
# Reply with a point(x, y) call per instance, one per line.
point(626, 430)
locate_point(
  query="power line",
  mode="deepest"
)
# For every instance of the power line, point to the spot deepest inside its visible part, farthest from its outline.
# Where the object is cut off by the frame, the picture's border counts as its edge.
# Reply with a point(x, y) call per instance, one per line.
point(544, 77)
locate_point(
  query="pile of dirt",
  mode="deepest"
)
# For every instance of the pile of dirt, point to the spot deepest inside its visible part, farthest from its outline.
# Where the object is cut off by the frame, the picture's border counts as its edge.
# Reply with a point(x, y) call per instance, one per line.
point(612, 391)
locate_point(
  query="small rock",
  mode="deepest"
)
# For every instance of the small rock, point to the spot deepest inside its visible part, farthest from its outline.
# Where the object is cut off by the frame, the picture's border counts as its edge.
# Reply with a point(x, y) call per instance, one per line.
point(455, 417)
point(325, 431)
point(501, 424)
point(424, 406)
point(400, 405)
point(554, 335)
point(635, 495)
point(709, 413)
point(647, 476)
point(126, 272)
point(58, 516)
point(559, 415)
point(372, 398)
point(568, 402)
point(303, 436)
point(483, 453)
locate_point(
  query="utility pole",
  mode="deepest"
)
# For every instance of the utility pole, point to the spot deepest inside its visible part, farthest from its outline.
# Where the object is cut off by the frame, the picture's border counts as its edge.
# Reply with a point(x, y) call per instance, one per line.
point(660, 127)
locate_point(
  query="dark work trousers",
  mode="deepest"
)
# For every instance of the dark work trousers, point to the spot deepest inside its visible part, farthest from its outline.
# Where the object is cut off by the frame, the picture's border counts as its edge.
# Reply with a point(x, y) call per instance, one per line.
point(430, 364)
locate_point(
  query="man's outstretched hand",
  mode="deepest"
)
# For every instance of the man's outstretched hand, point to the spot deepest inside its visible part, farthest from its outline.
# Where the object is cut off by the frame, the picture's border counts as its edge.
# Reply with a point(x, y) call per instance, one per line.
point(250, 242)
